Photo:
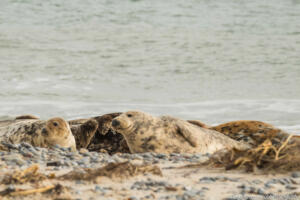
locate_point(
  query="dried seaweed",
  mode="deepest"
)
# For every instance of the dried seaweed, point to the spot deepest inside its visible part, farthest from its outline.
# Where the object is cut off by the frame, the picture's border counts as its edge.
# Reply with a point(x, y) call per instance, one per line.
point(56, 191)
point(113, 170)
point(32, 191)
point(30, 174)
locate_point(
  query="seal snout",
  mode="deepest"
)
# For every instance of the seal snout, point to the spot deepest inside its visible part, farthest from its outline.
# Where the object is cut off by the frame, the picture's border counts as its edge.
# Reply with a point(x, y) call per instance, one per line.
point(44, 132)
point(115, 123)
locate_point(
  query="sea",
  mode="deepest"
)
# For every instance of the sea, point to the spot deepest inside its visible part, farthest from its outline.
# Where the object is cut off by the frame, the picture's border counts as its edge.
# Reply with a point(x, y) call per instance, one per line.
point(210, 60)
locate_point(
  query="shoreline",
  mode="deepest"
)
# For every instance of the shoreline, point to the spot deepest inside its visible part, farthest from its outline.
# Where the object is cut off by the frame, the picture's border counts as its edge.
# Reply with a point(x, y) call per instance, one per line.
point(176, 182)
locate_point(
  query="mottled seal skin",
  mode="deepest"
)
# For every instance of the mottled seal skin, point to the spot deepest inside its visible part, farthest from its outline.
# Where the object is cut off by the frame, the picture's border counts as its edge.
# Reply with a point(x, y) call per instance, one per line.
point(166, 134)
point(104, 122)
point(250, 131)
point(27, 117)
point(55, 131)
point(84, 132)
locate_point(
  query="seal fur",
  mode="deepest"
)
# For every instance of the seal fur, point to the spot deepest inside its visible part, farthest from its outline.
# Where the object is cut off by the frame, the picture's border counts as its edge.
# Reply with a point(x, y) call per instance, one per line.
point(146, 133)
point(55, 131)
point(249, 131)
point(84, 132)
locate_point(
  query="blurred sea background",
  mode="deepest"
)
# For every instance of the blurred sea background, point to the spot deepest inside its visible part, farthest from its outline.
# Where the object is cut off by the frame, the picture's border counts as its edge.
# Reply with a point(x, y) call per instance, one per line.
point(215, 61)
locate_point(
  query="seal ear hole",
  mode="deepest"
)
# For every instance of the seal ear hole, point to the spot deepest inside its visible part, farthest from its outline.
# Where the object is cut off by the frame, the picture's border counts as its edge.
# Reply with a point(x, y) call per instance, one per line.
point(129, 115)
point(55, 124)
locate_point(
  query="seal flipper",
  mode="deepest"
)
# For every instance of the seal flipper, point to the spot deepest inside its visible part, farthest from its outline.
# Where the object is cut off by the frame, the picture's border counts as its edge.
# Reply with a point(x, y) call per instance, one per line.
point(84, 133)
point(186, 133)
point(27, 117)
point(199, 123)
point(104, 122)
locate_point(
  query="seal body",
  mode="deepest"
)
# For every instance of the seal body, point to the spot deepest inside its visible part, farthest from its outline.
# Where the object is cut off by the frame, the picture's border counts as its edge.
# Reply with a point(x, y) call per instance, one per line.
point(83, 131)
point(55, 131)
point(166, 134)
point(250, 131)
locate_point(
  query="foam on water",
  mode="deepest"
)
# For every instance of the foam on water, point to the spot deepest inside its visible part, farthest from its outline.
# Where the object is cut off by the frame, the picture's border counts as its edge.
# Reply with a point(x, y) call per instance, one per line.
point(215, 61)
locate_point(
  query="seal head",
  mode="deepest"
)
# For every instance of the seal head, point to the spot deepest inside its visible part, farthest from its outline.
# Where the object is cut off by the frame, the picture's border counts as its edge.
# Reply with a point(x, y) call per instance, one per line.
point(57, 131)
point(132, 121)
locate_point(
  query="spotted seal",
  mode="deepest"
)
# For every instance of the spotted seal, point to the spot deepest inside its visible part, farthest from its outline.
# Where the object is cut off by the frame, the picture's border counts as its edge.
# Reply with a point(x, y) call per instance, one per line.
point(251, 132)
point(55, 131)
point(146, 133)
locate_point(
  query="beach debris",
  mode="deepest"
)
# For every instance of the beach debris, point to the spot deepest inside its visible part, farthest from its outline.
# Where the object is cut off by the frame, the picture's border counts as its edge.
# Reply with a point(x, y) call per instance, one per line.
point(18, 192)
point(56, 191)
point(113, 170)
point(30, 174)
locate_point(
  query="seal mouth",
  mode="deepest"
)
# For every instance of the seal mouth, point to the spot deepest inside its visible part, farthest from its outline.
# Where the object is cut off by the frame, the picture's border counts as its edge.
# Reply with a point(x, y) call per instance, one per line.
point(116, 125)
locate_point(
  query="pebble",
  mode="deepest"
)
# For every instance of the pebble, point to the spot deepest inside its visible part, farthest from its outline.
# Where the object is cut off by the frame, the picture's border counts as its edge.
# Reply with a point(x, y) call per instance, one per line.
point(260, 191)
point(60, 158)
point(54, 163)
point(207, 179)
point(290, 187)
point(99, 189)
point(256, 181)
point(18, 161)
point(295, 174)
point(132, 198)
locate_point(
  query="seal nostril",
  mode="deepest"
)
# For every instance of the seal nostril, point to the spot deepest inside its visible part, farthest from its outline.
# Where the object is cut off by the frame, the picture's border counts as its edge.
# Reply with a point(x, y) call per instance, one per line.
point(44, 132)
point(115, 123)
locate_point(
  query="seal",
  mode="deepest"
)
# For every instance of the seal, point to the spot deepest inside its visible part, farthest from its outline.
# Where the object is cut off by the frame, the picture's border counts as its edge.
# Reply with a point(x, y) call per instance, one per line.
point(250, 131)
point(55, 131)
point(146, 133)
point(83, 131)
point(199, 123)
point(104, 140)
point(27, 117)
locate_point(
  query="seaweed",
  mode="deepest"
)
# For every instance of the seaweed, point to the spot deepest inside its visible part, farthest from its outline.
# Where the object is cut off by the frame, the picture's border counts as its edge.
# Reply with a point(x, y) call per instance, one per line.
point(112, 170)
point(30, 174)
point(56, 191)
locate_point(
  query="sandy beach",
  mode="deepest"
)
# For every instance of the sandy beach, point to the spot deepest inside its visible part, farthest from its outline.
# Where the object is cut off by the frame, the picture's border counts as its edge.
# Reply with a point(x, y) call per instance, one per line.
point(213, 61)
point(60, 174)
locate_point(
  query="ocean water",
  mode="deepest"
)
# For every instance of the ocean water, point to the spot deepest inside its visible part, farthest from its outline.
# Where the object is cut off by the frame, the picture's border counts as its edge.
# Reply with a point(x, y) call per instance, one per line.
point(215, 61)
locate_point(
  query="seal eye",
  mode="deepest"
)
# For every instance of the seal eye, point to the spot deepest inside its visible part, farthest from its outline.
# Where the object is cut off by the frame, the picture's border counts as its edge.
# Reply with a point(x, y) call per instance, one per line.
point(55, 124)
point(129, 115)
